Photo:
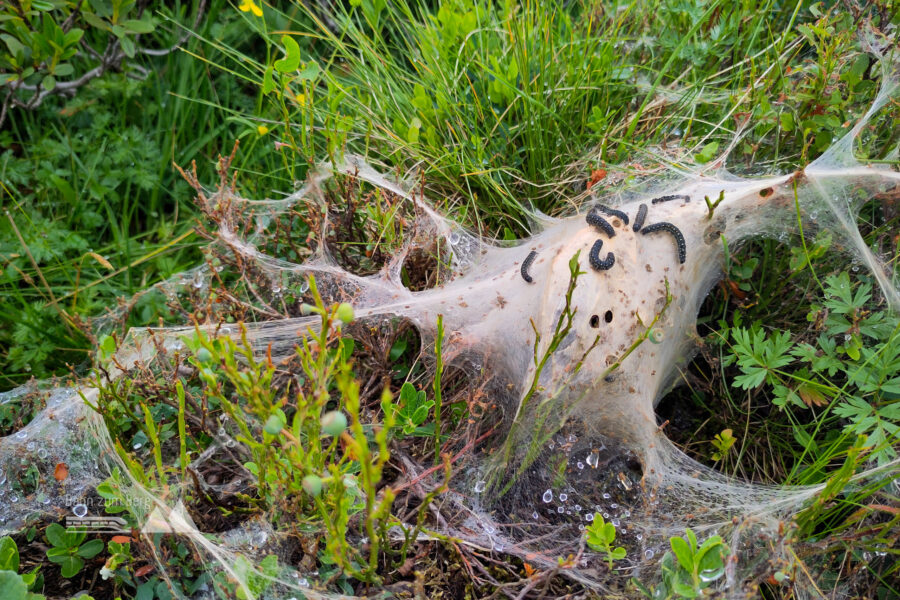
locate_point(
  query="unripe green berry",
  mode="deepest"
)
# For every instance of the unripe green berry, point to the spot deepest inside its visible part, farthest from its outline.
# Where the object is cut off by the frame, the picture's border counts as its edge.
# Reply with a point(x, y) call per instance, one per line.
point(312, 485)
point(334, 423)
point(204, 356)
point(345, 312)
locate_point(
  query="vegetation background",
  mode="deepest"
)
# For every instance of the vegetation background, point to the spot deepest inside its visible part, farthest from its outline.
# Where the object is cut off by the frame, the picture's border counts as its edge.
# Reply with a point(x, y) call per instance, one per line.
point(503, 107)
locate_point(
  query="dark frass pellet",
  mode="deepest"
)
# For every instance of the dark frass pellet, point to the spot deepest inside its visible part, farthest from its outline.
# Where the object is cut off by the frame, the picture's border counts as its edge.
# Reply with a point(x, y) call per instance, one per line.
point(684, 197)
point(595, 220)
point(594, 256)
point(639, 219)
point(676, 233)
point(607, 210)
point(526, 264)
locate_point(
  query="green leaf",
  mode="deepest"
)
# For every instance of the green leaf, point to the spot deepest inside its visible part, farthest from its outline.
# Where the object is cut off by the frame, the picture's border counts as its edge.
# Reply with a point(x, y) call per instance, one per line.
point(291, 59)
point(63, 70)
point(72, 37)
point(787, 121)
point(56, 535)
point(309, 72)
point(138, 26)
point(127, 46)
point(9, 555)
point(684, 590)
point(12, 587)
point(707, 153)
point(71, 566)
point(90, 549)
point(48, 83)
point(58, 554)
point(268, 83)
point(682, 553)
point(95, 21)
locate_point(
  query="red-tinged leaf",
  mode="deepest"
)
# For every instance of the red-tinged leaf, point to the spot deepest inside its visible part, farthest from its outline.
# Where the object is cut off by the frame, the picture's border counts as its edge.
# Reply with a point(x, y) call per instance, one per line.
point(144, 570)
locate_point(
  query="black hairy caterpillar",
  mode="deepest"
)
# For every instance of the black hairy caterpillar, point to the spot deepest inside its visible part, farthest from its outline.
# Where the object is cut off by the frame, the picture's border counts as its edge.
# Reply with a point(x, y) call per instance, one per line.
point(600, 223)
point(684, 197)
point(594, 256)
point(611, 212)
point(526, 264)
point(676, 233)
point(639, 219)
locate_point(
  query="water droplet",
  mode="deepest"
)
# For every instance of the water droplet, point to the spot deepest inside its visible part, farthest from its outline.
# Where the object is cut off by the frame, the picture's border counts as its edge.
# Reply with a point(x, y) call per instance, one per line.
point(479, 486)
point(551, 444)
point(616, 522)
point(639, 537)
point(79, 510)
point(534, 515)
point(30, 446)
point(21, 434)
point(627, 513)
point(198, 283)
point(580, 527)
point(137, 445)
point(648, 554)
point(46, 500)
point(580, 465)
point(563, 497)
point(614, 505)
point(577, 508)
point(709, 575)
point(560, 509)
point(13, 499)
point(454, 238)
point(547, 497)
point(606, 496)
point(605, 515)
point(489, 528)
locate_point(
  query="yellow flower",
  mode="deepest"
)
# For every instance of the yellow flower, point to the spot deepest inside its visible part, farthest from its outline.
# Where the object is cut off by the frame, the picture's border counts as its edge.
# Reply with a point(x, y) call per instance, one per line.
point(301, 99)
point(262, 130)
point(250, 6)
